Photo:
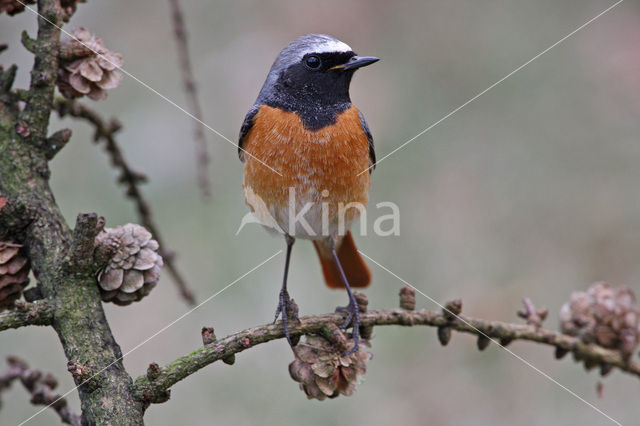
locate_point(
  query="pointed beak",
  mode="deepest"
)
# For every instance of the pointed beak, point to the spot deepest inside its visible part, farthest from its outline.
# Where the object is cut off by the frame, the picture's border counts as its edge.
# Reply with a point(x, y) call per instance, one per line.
point(356, 62)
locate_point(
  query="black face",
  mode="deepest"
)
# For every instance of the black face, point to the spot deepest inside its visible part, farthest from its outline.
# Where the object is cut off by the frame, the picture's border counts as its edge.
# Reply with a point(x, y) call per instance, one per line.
point(313, 89)
point(314, 80)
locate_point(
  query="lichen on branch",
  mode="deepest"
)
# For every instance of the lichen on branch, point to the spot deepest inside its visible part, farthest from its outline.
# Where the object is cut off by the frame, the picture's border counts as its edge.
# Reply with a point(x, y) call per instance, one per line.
point(25, 314)
point(154, 388)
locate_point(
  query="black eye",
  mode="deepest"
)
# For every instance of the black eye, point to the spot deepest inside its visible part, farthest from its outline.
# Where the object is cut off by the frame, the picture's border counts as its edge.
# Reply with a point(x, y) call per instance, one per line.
point(313, 62)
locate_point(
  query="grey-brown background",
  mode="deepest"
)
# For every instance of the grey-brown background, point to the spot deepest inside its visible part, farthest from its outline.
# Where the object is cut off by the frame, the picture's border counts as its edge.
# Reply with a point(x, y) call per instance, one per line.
point(532, 190)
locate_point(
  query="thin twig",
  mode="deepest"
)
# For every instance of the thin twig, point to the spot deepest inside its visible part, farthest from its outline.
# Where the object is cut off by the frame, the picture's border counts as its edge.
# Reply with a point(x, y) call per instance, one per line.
point(40, 386)
point(131, 179)
point(191, 92)
point(152, 390)
point(24, 314)
point(534, 316)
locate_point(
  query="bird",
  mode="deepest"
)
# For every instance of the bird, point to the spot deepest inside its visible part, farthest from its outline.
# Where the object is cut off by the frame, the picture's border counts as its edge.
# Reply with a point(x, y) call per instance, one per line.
point(308, 154)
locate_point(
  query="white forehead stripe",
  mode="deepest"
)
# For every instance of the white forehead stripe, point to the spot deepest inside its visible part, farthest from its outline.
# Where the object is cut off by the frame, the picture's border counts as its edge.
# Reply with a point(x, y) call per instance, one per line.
point(309, 44)
point(331, 46)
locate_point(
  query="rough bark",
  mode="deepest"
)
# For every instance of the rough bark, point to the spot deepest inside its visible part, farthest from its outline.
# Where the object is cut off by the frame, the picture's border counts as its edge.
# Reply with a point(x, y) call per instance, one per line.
point(37, 313)
point(77, 315)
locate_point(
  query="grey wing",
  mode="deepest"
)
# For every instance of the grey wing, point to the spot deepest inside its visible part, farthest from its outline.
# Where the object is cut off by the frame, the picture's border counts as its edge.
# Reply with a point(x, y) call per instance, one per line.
point(372, 150)
point(244, 130)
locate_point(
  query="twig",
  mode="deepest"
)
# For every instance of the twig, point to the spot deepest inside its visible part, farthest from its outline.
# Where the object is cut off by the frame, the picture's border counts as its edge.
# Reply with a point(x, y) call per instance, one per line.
point(153, 389)
point(131, 179)
point(24, 314)
point(191, 92)
point(88, 226)
point(531, 314)
point(40, 386)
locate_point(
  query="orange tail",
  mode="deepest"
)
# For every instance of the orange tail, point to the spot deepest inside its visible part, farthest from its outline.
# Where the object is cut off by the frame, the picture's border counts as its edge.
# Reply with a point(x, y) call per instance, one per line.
point(357, 272)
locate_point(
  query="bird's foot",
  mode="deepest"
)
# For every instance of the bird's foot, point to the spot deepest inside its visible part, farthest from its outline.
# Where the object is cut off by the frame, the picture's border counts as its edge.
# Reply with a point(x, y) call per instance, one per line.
point(289, 310)
point(352, 316)
point(349, 311)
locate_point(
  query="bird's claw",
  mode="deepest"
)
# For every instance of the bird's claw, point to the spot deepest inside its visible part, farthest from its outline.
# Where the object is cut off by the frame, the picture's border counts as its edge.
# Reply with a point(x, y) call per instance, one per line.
point(286, 307)
point(352, 316)
point(350, 312)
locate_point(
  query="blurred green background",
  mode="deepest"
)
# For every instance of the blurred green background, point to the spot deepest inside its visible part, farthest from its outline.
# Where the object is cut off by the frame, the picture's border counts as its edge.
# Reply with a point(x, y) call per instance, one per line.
point(531, 190)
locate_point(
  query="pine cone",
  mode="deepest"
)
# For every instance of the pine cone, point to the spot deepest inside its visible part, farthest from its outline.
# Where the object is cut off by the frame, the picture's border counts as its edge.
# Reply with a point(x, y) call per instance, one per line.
point(134, 268)
point(12, 7)
point(87, 67)
point(323, 371)
point(605, 315)
point(14, 273)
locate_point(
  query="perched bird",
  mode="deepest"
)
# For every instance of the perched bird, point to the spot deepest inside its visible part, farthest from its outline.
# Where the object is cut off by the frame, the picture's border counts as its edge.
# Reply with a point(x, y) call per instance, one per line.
point(308, 154)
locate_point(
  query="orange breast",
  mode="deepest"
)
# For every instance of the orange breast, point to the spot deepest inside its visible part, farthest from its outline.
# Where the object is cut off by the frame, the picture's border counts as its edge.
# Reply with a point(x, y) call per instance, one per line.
point(331, 159)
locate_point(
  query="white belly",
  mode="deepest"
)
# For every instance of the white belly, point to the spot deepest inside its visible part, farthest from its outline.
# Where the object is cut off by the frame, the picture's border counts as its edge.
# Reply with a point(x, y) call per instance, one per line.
point(307, 216)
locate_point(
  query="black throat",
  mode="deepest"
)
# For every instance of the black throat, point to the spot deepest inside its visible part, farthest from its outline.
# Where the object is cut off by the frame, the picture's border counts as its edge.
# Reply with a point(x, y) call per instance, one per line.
point(318, 97)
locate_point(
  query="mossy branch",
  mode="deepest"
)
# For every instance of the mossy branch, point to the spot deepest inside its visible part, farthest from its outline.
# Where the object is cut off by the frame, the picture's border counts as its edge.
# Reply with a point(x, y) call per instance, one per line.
point(153, 387)
point(30, 212)
point(37, 111)
point(25, 314)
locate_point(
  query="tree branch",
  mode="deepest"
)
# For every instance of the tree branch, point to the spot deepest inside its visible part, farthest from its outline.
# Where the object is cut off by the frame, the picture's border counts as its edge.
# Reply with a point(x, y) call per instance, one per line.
point(24, 314)
point(153, 387)
point(88, 226)
point(105, 131)
point(78, 316)
point(35, 116)
point(191, 91)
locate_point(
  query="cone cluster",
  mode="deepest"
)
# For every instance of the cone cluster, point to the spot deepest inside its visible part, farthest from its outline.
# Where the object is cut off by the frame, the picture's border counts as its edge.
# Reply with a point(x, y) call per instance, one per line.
point(14, 273)
point(87, 67)
point(134, 268)
point(323, 370)
point(605, 315)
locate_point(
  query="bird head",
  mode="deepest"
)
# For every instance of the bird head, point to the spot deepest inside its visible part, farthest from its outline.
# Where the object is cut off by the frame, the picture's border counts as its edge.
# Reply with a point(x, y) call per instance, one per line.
point(314, 70)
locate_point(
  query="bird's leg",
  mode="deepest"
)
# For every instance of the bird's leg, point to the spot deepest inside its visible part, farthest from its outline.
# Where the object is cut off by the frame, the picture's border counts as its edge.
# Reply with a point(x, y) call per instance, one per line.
point(351, 308)
point(285, 305)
